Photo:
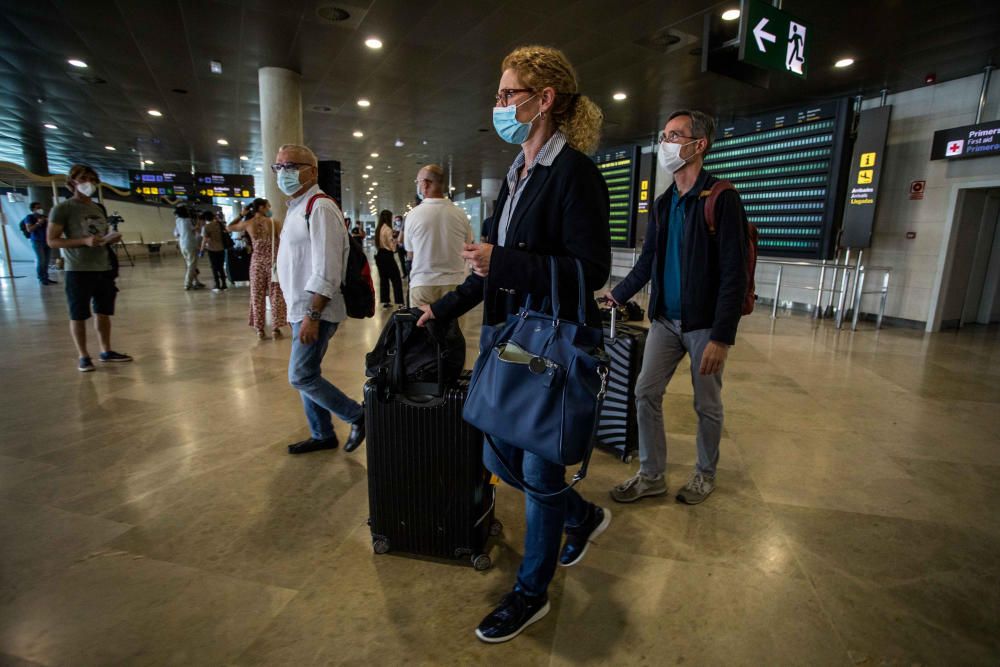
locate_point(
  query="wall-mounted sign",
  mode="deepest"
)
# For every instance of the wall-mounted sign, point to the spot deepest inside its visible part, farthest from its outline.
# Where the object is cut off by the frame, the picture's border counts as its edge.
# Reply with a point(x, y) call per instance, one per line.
point(146, 183)
point(866, 170)
point(239, 186)
point(967, 141)
point(917, 189)
point(771, 39)
point(619, 167)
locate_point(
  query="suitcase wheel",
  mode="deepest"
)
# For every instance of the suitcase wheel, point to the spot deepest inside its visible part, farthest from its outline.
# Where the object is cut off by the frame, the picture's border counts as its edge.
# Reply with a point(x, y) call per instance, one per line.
point(481, 562)
point(380, 545)
point(496, 528)
point(627, 458)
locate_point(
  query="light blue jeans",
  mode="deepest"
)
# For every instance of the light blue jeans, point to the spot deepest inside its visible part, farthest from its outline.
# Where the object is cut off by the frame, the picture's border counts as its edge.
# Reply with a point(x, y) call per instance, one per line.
point(665, 347)
point(320, 397)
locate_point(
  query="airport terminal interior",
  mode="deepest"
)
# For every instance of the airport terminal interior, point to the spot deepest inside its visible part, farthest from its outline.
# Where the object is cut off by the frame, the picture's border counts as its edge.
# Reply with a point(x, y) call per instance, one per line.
point(151, 513)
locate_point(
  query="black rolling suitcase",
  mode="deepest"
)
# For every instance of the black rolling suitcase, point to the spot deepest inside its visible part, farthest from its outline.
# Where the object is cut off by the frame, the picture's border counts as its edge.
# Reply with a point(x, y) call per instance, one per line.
point(428, 491)
point(238, 264)
point(617, 428)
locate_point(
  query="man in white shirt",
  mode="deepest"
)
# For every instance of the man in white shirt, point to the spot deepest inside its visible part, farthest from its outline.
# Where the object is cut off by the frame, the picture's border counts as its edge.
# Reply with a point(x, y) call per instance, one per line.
point(312, 262)
point(188, 233)
point(436, 233)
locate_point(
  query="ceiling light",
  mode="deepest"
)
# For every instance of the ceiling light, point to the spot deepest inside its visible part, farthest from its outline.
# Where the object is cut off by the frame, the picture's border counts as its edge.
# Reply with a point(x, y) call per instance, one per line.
point(364, 175)
point(222, 142)
point(374, 154)
point(399, 143)
point(364, 103)
point(619, 96)
point(148, 161)
point(374, 182)
point(359, 133)
point(77, 63)
point(730, 15)
point(259, 169)
point(368, 166)
point(373, 43)
point(215, 66)
point(88, 134)
point(244, 158)
point(844, 62)
point(468, 185)
point(110, 148)
point(51, 126)
point(154, 112)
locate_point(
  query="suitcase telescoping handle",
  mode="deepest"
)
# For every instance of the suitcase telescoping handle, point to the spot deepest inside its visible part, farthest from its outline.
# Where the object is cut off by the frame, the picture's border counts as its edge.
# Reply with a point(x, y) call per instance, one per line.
point(614, 318)
point(397, 381)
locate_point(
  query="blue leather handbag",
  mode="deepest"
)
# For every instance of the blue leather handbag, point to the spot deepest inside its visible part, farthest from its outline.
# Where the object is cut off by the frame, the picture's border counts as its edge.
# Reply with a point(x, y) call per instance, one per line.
point(538, 383)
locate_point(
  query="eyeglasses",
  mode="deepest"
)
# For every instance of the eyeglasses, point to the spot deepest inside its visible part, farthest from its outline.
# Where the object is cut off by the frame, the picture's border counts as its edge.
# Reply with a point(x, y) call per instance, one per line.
point(672, 137)
point(503, 97)
point(278, 166)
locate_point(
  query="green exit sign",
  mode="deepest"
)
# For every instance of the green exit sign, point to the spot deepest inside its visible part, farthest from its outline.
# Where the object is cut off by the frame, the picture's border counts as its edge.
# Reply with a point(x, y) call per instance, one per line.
point(771, 39)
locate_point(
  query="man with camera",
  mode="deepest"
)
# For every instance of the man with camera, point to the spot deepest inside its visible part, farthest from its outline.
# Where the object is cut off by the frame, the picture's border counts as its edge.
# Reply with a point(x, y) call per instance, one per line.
point(80, 228)
point(34, 229)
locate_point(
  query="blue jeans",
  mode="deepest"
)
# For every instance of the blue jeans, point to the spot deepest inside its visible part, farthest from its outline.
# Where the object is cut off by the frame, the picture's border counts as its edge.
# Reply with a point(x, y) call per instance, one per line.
point(43, 253)
point(319, 396)
point(547, 518)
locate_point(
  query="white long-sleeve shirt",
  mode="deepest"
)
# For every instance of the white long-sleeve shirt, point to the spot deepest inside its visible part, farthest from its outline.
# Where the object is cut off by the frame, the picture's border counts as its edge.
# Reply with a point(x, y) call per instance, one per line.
point(313, 259)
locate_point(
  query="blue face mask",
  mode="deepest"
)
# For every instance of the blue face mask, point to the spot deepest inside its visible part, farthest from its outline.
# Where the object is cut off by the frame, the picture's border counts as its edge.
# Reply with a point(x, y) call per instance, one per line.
point(288, 181)
point(267, 213)
point(507, 125)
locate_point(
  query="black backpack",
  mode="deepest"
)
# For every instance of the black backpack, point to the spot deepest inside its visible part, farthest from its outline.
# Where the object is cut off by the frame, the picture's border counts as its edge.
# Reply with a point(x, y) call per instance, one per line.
point(357, 288)
point(408, 359)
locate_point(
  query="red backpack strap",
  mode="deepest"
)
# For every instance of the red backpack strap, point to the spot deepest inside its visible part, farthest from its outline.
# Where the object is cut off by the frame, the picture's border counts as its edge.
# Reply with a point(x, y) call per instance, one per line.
point(711, 198)
point(312, 201)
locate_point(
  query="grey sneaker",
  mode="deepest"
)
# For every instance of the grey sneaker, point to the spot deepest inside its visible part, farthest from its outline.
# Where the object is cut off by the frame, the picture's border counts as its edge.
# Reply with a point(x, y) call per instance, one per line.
point(697, 489)
point(638, 487)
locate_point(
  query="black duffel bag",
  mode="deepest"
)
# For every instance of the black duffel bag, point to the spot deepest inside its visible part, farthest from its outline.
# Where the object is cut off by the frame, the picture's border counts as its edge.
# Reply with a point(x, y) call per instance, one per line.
point(408, 359)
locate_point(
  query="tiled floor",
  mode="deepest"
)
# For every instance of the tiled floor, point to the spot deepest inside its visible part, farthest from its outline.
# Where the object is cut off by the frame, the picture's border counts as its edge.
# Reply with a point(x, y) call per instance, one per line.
point(150, 515)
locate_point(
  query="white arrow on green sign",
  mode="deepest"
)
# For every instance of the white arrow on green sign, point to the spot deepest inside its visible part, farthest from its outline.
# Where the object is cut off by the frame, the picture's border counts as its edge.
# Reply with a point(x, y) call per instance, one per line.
point(771, 39)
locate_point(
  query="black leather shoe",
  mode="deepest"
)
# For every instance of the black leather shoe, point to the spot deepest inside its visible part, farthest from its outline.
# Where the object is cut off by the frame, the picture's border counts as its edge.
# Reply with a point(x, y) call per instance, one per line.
point(515, 612)
point(312, 445)
point(356, 437)
point(578, 539)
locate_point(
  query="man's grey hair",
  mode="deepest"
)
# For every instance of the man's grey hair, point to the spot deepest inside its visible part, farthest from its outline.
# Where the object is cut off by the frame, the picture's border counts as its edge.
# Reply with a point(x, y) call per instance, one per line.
point(435, 173)
point(301, 150)
point(702, 125)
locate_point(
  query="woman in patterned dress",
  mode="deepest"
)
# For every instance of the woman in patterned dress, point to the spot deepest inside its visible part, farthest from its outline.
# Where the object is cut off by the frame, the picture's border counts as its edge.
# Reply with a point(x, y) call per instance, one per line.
point(263, 230)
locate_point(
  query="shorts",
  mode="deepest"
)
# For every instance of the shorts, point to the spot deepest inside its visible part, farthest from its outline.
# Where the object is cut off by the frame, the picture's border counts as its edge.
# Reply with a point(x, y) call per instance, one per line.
point(82, 287)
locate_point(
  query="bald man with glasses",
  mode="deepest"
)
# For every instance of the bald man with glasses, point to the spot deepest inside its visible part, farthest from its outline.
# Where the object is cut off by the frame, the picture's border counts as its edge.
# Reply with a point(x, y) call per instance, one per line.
point(312, 264)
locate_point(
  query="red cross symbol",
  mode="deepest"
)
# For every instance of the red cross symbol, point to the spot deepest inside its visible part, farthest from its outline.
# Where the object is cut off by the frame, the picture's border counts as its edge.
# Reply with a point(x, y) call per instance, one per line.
point(953, 148)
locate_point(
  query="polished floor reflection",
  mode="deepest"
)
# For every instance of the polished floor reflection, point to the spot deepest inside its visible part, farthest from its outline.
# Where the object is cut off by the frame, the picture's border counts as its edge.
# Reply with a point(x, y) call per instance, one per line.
point(150, 515)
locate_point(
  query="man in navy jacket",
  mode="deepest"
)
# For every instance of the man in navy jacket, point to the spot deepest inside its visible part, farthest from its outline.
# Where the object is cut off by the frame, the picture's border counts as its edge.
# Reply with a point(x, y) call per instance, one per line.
point(698, 284)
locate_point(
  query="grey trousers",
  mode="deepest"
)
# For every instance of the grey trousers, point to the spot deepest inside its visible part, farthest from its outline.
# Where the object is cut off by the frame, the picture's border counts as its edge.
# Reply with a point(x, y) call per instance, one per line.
point(665, 347)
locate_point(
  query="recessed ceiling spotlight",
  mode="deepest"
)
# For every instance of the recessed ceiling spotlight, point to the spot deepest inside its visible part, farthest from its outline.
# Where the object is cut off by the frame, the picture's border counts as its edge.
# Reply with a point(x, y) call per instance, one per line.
point(358, 133)
point(154, 112)
point(110, 148)
point(215, 66)
point(730, 15)
point(374, 182)
point(364, 103)
point(364, 175)
point(88, 134)
point(373, 43)
point(75, 62)
point(148, 161)
point(468, 185)
point(222, 142)
point(844, 62)
point(368, 166)
point(619, 96)
point(259, 169)
point(374, 154)
point(244, 158)
point(399, 143)
point(51, 126)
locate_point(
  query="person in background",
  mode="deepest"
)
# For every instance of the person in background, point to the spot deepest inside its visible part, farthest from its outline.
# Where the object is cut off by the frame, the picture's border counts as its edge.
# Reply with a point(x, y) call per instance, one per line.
point(358, 233)
point(34, 227)
point(398, 225)
point(385, 260)
point(312, 264)
point(553, 205)
point(187, 228)
point(264, 232)
point(212, 242)
point(437, 232)
point(80, 228)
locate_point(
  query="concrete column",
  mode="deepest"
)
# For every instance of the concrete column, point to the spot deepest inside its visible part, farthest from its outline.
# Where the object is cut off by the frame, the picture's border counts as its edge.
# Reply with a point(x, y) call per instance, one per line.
point(280, 123)
point(489, 189)
point(36, 160)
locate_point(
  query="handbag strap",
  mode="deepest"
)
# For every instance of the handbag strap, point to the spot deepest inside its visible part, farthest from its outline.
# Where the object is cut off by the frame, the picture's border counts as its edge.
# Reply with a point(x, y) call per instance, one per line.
point(581, 312)
point(577, 477)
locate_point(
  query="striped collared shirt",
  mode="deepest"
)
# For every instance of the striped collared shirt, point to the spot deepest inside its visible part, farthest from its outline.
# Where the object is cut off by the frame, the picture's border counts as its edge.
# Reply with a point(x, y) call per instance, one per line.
point(545, 157)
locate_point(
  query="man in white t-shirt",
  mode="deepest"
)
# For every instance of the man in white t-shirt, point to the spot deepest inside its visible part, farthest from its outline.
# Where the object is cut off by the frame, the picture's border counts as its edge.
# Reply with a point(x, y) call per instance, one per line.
point(436, 233)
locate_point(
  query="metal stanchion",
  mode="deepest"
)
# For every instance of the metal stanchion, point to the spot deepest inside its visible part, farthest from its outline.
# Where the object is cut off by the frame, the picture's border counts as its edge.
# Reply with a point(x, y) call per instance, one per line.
point(859, 286)
point(885, 297)
point(777, 292)
point(818, 314)
point(845, 281)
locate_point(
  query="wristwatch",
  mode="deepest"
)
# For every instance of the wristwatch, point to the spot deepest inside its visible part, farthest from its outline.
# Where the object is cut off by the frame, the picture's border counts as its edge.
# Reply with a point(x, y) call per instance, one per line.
point(314, 315)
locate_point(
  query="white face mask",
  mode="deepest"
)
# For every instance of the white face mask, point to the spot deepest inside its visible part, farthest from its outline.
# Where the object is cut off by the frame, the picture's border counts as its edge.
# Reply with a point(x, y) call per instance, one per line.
point(86, 188)
point(669, 155)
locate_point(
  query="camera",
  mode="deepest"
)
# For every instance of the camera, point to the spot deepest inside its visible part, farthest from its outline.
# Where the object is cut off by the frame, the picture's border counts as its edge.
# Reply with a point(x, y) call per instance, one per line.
point(114, 220)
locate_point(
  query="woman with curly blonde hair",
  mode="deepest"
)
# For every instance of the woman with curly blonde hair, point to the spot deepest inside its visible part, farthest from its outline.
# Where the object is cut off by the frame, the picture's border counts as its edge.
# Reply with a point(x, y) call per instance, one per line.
point(552, 205)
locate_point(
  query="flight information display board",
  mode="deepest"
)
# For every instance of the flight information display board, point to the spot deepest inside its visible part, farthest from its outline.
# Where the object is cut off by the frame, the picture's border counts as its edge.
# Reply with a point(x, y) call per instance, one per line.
point(147, 183)
point(788, 168)
point(619, 167)
point(225, 185)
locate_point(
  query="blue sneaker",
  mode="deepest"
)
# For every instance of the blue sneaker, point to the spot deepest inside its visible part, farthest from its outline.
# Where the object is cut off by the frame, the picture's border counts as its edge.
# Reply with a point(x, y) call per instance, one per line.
point(86, 365)
point(116, 357)
point(578, 539)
